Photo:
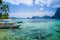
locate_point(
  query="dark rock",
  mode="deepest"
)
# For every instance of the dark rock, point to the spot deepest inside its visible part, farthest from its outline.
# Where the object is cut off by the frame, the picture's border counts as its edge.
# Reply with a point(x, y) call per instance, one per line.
point(20, 22)
point(57, 14)
point(57, 31)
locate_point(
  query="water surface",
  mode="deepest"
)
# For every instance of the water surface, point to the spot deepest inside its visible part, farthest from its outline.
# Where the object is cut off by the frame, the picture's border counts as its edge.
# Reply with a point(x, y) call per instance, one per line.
point(33, 29)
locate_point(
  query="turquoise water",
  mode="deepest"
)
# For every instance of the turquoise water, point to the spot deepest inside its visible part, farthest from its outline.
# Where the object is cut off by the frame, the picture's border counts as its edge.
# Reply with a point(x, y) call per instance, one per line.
point(33, 29)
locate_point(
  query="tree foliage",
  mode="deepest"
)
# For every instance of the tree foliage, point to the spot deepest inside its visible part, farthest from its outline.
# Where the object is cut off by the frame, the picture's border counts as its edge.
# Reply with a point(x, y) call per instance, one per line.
point(0, 1)
point(0, 15)
point(4, 10)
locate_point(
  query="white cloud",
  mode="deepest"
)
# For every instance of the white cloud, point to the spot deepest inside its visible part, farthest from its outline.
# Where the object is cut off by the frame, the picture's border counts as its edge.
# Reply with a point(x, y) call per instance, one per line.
point(17, 2)
point(48, 3)
point(30, 14)
point(41, 9)
point(43, 2)
point(45, 13)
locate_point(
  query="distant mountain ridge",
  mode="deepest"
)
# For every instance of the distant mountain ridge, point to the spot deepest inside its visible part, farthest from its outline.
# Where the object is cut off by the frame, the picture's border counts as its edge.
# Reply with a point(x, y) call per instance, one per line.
point(38, 17)
point(56, 16)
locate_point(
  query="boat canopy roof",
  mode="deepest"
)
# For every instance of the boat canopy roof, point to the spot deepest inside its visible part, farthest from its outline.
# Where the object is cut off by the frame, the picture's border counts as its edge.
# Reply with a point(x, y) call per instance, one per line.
point(3, 21)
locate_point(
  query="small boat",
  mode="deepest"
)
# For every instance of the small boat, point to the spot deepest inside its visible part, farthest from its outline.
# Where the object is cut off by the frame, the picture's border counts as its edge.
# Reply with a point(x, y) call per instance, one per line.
point(8, 25)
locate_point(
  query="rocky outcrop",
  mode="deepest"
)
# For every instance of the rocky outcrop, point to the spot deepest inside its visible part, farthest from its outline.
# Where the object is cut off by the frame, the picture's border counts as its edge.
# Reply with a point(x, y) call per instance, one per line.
point(57, 14)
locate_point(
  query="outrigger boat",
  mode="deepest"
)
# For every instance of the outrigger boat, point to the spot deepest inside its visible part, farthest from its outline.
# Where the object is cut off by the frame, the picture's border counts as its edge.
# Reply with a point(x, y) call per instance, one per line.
point(6, 24)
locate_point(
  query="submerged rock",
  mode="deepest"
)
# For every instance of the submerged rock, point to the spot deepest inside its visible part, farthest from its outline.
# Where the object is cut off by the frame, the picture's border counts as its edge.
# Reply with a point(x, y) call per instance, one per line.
point(20, 22)
point(57, 31)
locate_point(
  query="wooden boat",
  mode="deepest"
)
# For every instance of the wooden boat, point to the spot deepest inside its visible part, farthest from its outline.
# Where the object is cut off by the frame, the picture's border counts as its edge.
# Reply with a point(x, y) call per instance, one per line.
point(8, 25)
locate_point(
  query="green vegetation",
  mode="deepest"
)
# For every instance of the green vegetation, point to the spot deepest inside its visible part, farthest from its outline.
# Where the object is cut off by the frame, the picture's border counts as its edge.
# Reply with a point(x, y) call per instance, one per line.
point(0, 1)
point(4, 10)
point(5, 16)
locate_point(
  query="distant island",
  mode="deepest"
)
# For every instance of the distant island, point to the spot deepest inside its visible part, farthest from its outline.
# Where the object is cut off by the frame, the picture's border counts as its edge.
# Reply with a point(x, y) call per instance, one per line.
point(56, 16)
point(38, 17)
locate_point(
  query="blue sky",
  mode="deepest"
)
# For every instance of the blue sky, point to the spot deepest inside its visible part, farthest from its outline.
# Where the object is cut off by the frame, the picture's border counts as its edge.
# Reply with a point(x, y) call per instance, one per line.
point(29, 8)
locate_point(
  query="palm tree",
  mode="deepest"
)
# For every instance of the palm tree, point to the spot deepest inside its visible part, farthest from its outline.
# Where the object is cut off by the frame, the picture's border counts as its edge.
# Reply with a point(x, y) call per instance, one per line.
point(0, 9)
point(0, 15)
point(0, 1)
point(4, 9)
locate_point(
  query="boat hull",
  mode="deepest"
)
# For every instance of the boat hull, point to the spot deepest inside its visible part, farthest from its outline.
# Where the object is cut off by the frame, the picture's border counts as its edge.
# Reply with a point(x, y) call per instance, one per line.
point(9, 27)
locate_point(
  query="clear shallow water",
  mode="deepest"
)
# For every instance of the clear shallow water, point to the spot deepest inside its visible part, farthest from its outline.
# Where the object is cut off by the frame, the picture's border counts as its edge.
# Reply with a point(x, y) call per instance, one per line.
point(33, 29)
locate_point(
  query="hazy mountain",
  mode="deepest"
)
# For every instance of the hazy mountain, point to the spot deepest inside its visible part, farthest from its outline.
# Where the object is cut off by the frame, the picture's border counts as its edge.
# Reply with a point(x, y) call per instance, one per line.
point(38, 17)
point(46, 17)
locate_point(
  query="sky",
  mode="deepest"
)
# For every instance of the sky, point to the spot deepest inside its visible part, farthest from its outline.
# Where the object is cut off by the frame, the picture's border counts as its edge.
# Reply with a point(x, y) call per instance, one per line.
point(29, 8)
